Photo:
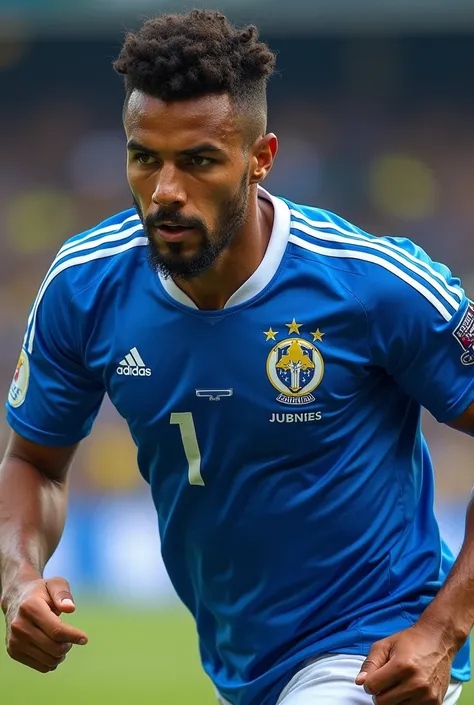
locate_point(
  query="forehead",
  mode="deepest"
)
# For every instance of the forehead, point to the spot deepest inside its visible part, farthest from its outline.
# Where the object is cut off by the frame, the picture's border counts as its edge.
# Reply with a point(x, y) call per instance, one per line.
point(182, 123)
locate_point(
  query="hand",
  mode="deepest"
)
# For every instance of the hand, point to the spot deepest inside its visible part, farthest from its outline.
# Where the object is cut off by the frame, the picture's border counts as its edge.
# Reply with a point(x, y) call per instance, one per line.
point(412, 667)
point(35, 635)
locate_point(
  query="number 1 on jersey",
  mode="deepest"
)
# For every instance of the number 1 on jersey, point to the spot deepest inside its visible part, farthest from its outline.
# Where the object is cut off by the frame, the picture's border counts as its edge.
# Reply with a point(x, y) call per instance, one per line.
point(187, 429)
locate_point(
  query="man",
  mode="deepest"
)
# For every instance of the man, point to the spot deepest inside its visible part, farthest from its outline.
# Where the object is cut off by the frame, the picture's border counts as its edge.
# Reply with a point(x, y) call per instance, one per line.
point(271, 361)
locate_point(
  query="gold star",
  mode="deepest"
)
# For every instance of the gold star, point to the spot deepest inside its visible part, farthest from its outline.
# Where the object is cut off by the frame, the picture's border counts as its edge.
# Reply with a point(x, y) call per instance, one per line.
point(293, 327)
point(271, 334)
point(317, 335)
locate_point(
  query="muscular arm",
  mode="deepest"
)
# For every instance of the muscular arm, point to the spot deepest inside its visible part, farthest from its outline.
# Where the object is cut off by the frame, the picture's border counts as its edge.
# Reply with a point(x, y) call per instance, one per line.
point(414, 665)
point(33, 497)
point(452, 610)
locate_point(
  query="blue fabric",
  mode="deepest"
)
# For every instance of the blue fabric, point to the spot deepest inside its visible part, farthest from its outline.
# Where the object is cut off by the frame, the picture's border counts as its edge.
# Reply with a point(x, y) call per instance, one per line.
point(293, 485)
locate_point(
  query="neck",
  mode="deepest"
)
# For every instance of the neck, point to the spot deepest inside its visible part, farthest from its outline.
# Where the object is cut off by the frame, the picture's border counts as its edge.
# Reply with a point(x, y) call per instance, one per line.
point(212, 290)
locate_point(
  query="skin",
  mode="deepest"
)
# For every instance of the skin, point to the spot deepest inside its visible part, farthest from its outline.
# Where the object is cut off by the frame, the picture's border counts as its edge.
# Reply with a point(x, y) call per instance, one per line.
point(33, 500)
point(412, 666)
point(166, 180)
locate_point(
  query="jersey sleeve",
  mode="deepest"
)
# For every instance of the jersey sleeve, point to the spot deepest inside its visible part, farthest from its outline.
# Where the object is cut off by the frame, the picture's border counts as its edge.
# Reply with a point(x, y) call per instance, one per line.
point(53, 398)
point(421, 327)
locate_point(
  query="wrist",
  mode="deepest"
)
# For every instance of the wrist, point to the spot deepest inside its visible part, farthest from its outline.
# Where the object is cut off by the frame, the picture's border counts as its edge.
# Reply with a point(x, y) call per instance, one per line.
point(452, 632)
point(14, 576)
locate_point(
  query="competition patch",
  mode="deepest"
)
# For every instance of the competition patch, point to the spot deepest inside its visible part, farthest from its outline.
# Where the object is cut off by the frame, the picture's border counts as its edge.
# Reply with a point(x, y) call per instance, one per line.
point(464, 334)
point(19, 385)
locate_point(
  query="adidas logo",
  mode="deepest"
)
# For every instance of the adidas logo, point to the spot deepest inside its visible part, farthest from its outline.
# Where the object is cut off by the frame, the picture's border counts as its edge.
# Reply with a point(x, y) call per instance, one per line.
point(132, 365)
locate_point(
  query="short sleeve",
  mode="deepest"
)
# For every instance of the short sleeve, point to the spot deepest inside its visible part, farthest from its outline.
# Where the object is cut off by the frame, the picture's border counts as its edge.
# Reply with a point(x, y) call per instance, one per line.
point(53, 398)
point(422, 332)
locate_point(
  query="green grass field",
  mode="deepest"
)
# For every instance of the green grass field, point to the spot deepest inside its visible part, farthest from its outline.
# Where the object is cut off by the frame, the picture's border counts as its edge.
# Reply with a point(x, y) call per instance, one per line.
point(133, 658)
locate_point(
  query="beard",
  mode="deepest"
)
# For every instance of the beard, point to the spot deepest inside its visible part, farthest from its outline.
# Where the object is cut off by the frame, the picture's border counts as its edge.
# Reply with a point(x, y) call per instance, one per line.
point(170, 261)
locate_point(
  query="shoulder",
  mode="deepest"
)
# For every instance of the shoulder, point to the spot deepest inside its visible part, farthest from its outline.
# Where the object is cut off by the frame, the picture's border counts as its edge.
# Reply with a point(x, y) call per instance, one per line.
point(334, 238)
point(378, 270)
point(102, 251)
point(94, 251)
point(90, 263)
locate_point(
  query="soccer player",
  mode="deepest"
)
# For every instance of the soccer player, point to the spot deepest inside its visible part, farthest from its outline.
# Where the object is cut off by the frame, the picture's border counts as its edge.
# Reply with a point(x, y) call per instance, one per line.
point(271, 361)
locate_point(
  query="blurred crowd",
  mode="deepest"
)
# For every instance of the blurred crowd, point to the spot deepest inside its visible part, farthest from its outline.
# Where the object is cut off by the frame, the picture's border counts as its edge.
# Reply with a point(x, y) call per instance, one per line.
point(378, 130)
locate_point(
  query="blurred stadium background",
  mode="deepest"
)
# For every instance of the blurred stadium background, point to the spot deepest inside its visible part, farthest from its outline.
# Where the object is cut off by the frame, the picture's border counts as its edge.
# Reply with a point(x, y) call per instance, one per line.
point(374, 109)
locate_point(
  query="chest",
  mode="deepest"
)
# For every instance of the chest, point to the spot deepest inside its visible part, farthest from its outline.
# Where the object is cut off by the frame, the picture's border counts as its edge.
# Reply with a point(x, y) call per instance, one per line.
point(291, 361)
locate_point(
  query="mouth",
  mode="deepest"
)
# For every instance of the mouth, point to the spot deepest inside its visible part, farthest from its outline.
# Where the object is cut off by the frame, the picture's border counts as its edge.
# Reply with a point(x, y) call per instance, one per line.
point(173, 233)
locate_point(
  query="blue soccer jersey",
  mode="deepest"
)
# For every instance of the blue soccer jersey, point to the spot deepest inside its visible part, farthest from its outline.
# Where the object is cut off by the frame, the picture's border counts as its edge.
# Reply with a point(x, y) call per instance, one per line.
point(280, 436)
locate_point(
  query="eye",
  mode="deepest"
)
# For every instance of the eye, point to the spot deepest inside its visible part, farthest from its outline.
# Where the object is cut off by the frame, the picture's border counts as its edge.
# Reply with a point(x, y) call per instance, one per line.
point(143, 158)
point(197, 160)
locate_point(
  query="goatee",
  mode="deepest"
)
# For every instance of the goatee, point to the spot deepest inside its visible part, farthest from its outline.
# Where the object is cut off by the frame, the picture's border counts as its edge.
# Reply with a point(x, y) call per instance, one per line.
point(170, 261)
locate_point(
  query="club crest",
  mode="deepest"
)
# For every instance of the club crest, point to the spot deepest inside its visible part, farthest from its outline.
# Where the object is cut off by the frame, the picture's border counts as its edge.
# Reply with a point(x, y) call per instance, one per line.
point(295, 367)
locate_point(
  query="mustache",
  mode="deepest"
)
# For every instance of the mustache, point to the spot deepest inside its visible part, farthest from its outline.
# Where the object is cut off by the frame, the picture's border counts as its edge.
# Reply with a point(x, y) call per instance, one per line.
point(157, 219)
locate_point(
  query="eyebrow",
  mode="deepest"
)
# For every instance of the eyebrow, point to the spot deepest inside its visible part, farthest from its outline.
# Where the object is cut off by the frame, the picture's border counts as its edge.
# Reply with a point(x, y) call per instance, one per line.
point(135, 146)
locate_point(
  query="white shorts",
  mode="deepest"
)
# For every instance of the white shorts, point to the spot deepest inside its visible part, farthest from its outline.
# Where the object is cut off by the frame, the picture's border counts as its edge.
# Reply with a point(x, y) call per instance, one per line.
point(329, 680)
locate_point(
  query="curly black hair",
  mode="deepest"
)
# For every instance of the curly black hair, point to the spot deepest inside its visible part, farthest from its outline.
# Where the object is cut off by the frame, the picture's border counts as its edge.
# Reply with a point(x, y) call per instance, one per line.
point(184, 56)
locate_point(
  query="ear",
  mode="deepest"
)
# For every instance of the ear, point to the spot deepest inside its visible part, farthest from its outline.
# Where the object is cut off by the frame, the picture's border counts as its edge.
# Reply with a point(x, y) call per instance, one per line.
point(263, 154)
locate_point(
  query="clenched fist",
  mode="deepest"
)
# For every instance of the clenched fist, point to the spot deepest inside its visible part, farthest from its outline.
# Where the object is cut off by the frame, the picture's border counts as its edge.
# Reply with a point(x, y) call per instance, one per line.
point(412, 666)
point(35, 634)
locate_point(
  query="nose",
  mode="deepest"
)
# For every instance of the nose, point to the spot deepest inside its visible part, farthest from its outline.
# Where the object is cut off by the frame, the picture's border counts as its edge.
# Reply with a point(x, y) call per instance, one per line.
point(169, 191)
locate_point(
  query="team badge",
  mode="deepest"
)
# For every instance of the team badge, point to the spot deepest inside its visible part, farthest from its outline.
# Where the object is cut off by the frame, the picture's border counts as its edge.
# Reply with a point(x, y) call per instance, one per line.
point(19, 385)
point(464, 334)
point(295, 367)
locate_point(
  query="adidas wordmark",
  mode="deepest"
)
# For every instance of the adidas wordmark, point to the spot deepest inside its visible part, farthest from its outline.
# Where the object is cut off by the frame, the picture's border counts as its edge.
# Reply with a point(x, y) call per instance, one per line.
point(132, 365)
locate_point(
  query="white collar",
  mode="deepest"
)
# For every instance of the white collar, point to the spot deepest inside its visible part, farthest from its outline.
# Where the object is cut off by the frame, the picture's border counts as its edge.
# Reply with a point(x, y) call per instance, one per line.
point(267, 267)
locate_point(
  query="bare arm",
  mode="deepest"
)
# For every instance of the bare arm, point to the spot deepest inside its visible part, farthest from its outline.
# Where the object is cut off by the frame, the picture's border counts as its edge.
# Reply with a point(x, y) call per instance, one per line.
point(416, 662)
point(453, 607)
point(33, 497)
